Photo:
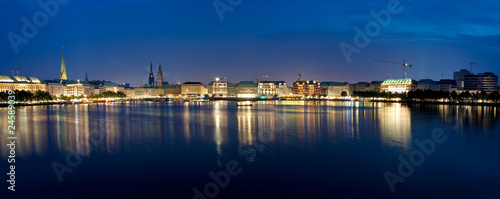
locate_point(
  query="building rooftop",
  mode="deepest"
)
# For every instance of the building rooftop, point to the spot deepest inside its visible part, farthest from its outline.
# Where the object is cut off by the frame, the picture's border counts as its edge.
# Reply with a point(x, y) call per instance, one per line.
point(171, 86)
point(486, 74)
point(19, 79)
point(5, 79)
point(246, 83)
point(193, 83)
point(333, 83)
point(306, 82)
point(77, 82)
point(275, 82)
point(398, 81)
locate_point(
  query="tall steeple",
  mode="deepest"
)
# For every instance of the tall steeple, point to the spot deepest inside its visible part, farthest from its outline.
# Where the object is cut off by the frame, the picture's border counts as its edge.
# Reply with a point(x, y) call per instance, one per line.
point(63, 75)
point(86, 77)
point(151, 75)
point(159, 76)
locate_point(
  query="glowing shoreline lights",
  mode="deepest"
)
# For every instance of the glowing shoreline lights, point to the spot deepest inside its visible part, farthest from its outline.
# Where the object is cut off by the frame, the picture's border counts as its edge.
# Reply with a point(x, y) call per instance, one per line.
point(398, 85)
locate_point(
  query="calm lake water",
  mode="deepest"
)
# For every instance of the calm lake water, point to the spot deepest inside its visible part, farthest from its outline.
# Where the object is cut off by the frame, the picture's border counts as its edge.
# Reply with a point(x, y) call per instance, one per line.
point(286, 149)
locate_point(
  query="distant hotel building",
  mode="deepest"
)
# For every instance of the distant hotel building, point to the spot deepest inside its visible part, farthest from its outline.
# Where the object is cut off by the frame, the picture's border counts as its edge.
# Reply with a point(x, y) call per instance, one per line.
point(172, 90)
point(398, 85)
point(335, 89)
point(272, 88)
point(77, 88)
point(309, 88)
point(193, 88)
point(221, 88)
point(54, 87)
point(246, 89)
point(481, 82)
point(142, 92)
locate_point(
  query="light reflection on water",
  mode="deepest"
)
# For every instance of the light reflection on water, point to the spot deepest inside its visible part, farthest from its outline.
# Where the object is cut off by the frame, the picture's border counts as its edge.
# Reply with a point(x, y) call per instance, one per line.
point(147, 126)
point(395, 126)
point(329, 148)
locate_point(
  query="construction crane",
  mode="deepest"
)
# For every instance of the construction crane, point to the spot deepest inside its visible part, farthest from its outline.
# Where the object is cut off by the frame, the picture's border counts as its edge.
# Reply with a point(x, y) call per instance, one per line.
point(404, 64)
point(469, 62)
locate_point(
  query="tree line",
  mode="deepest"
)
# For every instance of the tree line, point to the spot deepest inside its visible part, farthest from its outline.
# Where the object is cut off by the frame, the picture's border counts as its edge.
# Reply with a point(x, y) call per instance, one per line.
point(108, 94)
point(25, 96)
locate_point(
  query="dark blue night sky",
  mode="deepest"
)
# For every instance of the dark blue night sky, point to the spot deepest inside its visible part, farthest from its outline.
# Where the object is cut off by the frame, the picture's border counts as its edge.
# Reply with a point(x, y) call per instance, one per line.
point(117, 40)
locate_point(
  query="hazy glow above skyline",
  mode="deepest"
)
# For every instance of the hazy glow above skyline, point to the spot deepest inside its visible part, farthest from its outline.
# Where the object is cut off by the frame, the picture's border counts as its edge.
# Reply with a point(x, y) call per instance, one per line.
point(272, 38)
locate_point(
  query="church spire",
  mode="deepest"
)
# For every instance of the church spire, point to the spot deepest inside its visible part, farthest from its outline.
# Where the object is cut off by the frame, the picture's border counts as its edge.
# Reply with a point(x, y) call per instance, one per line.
point(151, 75)
point(63, 75)
point(159, 76)
point(86, 77)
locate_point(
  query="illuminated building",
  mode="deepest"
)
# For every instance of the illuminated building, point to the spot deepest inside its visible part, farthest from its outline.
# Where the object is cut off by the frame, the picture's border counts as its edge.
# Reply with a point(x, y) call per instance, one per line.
point(481, 82)
point(272, 88)
point(362, 86)
point(152, 92)
point(308, 88)
point(99, 86)
point(193, 88)
point(115, 88)
point(144, 92)
point(78, 89)
point(159, 76)
point(398, 85)
point(352, 87)
point(231, 90)
point(218, 88)
point(173, 90)
point(112, 86)
point(375, 85)
point(54, 87)
point(335, 89)
point(31, 84)
point(129, 92)
point(246, 89)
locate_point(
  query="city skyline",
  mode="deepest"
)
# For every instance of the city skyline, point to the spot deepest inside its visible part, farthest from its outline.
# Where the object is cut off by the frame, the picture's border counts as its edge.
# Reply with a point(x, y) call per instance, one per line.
point(155, 82)
point(250, 99)
point(252, 41)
